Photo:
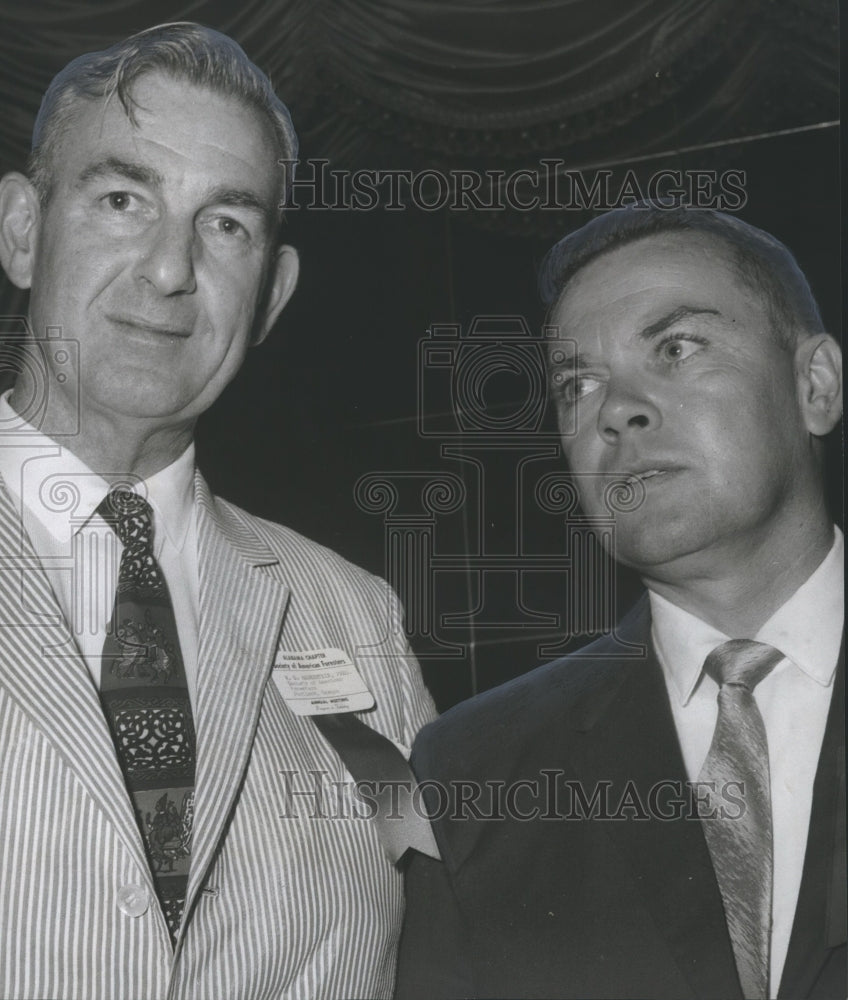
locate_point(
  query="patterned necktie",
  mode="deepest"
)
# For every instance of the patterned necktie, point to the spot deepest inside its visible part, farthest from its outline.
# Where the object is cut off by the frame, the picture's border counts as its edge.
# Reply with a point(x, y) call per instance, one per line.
point(741, 845)
point(145, 697)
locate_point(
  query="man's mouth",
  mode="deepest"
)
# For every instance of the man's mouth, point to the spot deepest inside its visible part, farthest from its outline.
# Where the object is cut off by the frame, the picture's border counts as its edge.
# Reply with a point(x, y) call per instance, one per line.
point(147, 326)
point(642, 477)
point(645, 476)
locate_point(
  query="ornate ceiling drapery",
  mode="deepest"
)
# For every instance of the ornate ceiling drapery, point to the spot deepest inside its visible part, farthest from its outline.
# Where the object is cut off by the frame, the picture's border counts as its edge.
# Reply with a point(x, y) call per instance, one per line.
point(481, 84)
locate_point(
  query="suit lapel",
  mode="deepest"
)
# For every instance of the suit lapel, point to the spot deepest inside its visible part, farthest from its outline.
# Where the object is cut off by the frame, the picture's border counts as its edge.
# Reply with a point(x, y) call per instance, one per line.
point(817, 947)
point(629, 740)
point(242, 605)
point(43, 671)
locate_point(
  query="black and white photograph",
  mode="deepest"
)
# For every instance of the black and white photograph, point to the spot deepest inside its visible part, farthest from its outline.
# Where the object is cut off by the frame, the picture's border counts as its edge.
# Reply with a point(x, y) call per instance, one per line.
point(421, 501)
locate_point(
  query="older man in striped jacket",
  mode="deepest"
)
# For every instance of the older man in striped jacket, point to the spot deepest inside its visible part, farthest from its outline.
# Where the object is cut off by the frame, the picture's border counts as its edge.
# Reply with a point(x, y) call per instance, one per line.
point(173, 823)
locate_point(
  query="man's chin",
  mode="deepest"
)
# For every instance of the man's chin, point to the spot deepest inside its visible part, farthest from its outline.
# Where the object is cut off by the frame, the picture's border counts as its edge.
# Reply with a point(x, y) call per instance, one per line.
point(648, 547)
point(141, 398)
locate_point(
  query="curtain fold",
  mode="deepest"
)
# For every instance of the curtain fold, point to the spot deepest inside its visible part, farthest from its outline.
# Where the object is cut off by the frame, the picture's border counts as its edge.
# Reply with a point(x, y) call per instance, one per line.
point(479, 84)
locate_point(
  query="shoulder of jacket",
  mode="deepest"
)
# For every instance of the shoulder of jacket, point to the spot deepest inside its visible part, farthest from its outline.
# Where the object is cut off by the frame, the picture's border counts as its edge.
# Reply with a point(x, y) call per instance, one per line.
point(288, 543)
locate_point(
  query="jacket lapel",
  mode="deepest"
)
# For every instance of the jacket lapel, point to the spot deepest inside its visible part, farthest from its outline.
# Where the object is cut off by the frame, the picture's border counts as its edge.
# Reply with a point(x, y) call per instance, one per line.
point(44, 672)
point(629, 740)
point(816, 960)
point(242, 604)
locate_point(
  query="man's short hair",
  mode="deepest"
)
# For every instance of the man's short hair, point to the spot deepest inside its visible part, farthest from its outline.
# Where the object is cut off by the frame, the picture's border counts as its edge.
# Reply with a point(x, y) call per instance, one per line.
point(183, 50)
point(761, 262)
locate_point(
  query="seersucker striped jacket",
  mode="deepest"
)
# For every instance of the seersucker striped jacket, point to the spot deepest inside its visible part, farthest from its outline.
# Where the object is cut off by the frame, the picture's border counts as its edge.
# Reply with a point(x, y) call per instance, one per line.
point(290, 894)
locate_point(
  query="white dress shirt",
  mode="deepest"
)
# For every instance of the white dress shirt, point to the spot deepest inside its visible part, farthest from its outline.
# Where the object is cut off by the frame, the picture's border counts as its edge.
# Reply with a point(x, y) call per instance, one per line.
point(793, 699)
point(58, 496)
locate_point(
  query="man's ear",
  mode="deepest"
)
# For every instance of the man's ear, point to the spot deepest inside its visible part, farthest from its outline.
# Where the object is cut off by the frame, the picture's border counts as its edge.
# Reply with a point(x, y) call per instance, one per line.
point(281, 284)
point(20, 212)
point(818, 368)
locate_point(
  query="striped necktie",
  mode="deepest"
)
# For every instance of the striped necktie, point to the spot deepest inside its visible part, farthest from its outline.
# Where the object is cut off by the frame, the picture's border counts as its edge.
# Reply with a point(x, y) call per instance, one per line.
point(741, 845)
point(145, 697)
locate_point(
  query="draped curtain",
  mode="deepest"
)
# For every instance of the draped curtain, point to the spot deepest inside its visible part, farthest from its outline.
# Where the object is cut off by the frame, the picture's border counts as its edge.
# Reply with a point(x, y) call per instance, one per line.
point(494, 82)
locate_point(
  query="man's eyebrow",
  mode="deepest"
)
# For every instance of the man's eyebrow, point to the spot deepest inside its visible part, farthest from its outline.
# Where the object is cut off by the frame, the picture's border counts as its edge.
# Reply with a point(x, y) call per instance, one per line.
point(681, 312)
point(112, 166)
point(240, 198)
point(572, 357)
point(576, 360)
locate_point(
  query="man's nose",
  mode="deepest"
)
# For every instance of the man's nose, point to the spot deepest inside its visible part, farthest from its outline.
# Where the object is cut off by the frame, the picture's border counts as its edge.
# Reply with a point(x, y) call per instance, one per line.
point(167, 262)
point(627, 409)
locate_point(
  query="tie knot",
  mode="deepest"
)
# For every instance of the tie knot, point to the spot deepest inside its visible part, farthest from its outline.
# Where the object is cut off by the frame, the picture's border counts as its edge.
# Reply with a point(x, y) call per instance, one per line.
point(741, 662)
point(129, 515)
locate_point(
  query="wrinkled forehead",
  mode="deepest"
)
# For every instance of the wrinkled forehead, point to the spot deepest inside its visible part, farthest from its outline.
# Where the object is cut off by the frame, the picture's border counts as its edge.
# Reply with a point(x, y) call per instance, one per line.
point(692, 266)
point(141, 105)
point(139, 101)
point(631, 296)
point(175, 130)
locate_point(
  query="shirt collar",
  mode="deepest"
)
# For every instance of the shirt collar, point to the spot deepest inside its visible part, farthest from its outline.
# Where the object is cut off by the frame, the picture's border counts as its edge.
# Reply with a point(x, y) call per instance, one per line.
point(807, 629)
point(171, 494)
point(61, 493)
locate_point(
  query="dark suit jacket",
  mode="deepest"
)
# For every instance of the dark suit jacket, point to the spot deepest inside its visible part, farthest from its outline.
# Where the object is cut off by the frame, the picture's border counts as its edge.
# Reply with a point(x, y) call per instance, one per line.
point(623, 903)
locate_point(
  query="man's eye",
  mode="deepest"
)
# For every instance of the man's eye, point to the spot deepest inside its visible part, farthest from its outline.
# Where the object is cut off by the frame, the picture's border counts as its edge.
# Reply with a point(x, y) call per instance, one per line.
point(678, 348)
point(229, 227)
point(574, 387)
point(119, 201)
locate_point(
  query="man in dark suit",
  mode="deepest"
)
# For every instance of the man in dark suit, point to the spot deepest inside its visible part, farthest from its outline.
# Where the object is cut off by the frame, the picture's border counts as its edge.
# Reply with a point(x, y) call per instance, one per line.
point(662, 814)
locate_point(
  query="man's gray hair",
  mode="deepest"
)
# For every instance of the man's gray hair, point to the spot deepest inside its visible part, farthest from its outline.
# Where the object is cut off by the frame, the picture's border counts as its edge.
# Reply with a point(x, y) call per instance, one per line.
point(183, 50)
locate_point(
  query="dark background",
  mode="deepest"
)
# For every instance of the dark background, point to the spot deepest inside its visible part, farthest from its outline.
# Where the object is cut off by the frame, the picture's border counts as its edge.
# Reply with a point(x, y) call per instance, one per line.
point(332, 395)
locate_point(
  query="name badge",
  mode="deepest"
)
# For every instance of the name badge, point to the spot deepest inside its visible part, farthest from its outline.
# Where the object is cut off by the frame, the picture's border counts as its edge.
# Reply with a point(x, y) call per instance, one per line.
point(320, 682)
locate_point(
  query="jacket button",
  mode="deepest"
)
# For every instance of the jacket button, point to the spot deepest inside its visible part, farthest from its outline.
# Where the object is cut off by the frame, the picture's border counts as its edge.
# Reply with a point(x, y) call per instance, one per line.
point(133, 900)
